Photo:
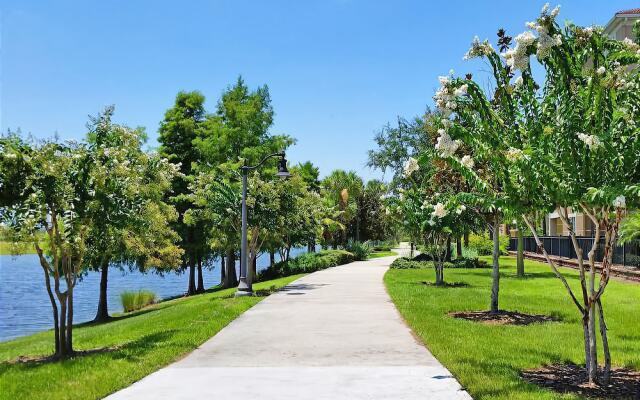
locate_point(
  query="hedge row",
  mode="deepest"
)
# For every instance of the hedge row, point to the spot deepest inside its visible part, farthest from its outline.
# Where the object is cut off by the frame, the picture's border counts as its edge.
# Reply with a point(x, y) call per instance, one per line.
point(308, 262)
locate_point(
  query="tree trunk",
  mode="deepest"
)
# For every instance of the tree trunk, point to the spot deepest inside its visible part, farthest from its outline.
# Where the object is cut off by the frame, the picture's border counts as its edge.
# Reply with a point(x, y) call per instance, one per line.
point(231, 276)
point(466, 239)
point(54, 308)
point(459, 247)
point(102, 314)
point(606, 373)
point(223, 270)
point(495, 274)
point(254, 269)
point(191, 290)
point(200, 288)
point(520, 255)
point(62, 342)
point(272, 258)
point(69, 338)
point(447, 253)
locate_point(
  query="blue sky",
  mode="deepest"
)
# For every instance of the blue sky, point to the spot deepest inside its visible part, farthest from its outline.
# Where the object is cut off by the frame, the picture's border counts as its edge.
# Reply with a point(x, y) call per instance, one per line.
point(338, 70)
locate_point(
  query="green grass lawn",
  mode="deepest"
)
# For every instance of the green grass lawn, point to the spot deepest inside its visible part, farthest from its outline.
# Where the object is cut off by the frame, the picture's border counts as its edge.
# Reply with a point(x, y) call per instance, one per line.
point(141, 343)
point(487, 359)
point(378, 254)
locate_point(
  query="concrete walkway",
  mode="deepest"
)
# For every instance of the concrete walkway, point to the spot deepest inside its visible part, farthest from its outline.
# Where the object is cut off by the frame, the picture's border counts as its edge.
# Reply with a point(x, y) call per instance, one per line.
point(332, 335)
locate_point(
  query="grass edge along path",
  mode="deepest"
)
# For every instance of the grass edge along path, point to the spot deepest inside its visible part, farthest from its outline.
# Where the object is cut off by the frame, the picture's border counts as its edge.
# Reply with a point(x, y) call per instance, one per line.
point(487, 359)
point(129, 348)
point(379, 254)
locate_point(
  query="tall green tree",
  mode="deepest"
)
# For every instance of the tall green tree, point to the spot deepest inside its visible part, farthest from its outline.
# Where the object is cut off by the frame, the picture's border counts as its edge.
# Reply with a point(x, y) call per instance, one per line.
point(236, 134)
point(177, 133)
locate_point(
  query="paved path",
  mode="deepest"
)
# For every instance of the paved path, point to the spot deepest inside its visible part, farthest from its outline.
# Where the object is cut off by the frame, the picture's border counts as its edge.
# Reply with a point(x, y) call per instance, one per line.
point(332, 335)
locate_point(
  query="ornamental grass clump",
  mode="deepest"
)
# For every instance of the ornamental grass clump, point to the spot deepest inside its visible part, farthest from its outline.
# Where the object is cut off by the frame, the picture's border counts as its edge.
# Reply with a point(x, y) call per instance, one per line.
point(135, 300)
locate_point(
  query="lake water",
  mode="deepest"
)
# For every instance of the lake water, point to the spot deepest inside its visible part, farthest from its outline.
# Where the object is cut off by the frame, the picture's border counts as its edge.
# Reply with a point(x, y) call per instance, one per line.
point(25, 306)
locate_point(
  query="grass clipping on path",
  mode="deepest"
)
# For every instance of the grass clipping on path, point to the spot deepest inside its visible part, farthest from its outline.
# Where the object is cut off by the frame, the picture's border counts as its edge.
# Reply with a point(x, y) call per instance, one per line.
point(487, 359)
point(116, 354)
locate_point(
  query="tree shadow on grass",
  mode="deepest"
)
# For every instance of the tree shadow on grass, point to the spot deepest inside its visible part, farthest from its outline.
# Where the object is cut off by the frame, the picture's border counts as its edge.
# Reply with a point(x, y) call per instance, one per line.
point(445, 285)
point(40, 360)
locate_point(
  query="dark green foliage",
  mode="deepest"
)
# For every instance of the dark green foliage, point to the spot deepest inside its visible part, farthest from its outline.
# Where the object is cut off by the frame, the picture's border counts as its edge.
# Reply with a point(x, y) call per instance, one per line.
point(308, 262)
point(359, 250)
point(407, 263)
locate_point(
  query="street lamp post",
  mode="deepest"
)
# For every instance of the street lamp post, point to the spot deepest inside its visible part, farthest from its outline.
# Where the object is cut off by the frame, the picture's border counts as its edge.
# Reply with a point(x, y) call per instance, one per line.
point(244, 285)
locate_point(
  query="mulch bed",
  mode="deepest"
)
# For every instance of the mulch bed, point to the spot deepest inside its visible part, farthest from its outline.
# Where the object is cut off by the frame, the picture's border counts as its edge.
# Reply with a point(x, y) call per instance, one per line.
point(502, 317)
point(571, 378)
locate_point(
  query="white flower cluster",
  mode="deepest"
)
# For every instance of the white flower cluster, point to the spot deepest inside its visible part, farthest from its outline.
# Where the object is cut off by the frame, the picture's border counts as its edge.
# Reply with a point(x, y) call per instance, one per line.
point(601, 71)
point(591, 141)
point(519, 81)
point(460, 209)
point(518, 58)
point(620, 202)
point(439, 211)
point(514, 154)
point(445, 145)
point(545, 41)
point(445, 97)
point(410, 166)
point(631, 45)
point(467, 161)
point(478, 49)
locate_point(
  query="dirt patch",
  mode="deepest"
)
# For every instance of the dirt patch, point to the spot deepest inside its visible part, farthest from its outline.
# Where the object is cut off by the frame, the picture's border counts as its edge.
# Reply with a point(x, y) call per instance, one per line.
point(571, 378)
point(502, 317)
point(34, 360)
point(446, 284)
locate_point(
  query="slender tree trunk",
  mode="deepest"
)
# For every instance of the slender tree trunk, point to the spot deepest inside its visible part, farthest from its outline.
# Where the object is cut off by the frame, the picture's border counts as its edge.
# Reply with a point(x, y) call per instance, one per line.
point(200, 288)
point(254, 269)
point(231, 276)
point(223, 271)
point(191, 290)
point(69, 338)
point(102, 314)
point(63, 326)
point(495, 274)
point(466, 239)
point(606, 373)
point(520, 254)
point(272, 258)
point(447, 253)
point(54, 307)
point(458, 247)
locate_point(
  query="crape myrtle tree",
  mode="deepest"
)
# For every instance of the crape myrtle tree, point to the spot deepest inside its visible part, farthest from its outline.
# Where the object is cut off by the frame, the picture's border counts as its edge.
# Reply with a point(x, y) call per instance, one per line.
point(54, 198)
point(482, 136)
point(432, 220)
point(131, 219)
point(575, 146)
point(590, 152)
point(401, 147)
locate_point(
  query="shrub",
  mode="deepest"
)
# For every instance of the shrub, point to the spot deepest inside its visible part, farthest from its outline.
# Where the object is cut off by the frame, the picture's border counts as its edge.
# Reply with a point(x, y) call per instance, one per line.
point(483, 244)
point(308, 262)
point(132, 300)
point(359, 250)
point(407, 263)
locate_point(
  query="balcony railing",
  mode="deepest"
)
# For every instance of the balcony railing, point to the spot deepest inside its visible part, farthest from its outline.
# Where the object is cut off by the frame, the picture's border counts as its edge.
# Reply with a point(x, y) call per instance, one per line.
point(627, 255)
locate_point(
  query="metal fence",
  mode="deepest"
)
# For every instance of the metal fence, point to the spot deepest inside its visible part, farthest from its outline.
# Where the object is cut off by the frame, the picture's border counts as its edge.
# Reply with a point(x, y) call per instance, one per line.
point(627, 255)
